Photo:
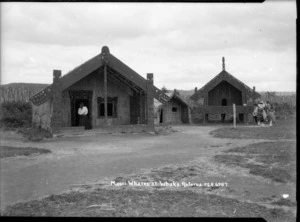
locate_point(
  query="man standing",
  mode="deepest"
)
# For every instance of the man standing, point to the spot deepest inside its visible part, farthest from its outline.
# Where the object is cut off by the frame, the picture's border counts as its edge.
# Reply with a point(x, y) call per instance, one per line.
point(254, 113)
point(83, 118)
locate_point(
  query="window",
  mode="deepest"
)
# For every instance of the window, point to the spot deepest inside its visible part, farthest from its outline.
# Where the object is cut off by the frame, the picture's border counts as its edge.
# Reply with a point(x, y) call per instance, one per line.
point(111, 107)
point(174, 109)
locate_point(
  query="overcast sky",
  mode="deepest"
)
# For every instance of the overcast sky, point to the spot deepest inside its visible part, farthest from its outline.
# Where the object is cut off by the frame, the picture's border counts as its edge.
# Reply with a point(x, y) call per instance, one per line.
point(181, 43)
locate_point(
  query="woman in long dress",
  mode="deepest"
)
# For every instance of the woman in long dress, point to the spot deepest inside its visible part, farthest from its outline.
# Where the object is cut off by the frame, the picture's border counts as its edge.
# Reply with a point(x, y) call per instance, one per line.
point(271, 113)
point(83, 117)
point(261, 114)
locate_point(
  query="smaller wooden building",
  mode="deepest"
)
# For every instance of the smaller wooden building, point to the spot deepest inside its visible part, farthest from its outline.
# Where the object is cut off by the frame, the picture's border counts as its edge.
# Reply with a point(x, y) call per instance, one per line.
point(175, 111)
point(218, 96)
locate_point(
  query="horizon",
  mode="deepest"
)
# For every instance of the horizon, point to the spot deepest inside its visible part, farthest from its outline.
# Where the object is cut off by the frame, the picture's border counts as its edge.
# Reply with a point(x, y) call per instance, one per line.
point(160, 88)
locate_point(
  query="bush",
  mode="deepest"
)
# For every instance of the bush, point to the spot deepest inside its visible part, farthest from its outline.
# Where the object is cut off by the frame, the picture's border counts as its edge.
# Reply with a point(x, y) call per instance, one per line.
point(35, 133)
point(16, 114)
point(284, 110)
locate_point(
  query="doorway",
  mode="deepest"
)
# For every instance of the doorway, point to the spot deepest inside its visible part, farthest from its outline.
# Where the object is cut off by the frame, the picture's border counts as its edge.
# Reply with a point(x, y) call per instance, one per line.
point(223, 115)
point(161, 116)
point(77, 97)
point(86, 103)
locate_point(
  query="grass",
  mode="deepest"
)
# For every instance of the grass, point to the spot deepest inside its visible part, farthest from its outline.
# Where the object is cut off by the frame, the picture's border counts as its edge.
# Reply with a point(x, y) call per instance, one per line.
point(284, 129)
point(139, 203)
point(7, 151)
point(284, 202)
point(272, 160)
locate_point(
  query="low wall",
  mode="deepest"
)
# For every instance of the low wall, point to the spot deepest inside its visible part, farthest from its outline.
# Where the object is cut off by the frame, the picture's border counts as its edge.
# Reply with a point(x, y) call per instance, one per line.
point(214, 112)
point(138, 128)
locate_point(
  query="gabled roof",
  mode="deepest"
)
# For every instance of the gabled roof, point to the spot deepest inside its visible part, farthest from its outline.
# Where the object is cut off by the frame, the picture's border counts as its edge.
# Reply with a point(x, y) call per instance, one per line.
point(121, 72)
point(224, 76)
point(171, 95)
point(175, 95)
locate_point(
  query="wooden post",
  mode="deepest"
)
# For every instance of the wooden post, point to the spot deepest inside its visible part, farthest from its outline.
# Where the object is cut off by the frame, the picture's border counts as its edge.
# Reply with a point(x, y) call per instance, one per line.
point(105, 59)
point(234, 116)
point(253, 95)
point(105, 94)
point(150, 102)
point(56, 118)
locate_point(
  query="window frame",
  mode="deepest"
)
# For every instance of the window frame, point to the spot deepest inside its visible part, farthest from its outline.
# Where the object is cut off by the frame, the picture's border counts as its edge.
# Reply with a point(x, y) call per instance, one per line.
point(110, 100)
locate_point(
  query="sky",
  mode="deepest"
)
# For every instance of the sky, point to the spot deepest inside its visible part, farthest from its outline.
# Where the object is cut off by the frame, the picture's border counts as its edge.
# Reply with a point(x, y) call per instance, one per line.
point(182, 44)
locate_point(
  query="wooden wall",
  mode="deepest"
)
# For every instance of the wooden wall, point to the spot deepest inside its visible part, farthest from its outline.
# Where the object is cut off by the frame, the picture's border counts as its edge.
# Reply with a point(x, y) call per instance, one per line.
point(185, 114)
point(95, 82)
point(227, 91)
point(169, 116)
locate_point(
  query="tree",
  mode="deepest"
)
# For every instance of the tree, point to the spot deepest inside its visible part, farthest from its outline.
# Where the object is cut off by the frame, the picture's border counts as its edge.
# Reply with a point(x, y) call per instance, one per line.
point(164, 89)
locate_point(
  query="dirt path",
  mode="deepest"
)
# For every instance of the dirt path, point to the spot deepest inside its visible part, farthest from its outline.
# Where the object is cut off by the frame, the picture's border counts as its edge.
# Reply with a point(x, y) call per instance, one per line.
point(79, 160)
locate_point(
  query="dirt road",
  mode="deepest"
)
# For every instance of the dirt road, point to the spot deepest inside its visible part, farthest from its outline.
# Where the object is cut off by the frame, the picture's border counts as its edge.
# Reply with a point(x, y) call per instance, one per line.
point(88, 159)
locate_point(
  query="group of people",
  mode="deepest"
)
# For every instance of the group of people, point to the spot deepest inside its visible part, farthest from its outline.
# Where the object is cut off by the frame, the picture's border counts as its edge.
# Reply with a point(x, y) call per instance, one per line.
point(264, 112)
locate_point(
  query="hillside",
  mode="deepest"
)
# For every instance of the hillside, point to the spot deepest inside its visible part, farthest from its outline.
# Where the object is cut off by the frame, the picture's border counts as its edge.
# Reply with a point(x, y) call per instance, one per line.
point(23, 91)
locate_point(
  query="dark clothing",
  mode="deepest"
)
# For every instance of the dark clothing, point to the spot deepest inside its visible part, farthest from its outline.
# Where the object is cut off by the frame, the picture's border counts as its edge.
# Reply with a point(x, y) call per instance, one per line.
point(255, 118)
point(260, 116)
point(85, 121)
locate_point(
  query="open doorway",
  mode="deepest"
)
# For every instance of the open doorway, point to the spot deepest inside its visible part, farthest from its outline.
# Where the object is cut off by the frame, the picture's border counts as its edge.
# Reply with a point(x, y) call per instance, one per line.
point(223, 115)
point(86, 103)
point(161, 116)
point(76, 97)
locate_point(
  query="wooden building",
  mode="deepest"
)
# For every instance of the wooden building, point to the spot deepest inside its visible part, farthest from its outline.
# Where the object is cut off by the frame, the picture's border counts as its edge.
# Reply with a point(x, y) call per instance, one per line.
point(113, 93)
point(174, 111)
point(218, 96)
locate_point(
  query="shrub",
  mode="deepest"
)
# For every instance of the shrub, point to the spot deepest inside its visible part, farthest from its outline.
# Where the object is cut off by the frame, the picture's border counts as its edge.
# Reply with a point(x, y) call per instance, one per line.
point(35, 133)
point(16, 114)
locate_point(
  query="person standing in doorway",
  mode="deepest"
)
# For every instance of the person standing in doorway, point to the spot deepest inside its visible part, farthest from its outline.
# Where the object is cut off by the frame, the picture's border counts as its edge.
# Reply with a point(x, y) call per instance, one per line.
point(83, 116)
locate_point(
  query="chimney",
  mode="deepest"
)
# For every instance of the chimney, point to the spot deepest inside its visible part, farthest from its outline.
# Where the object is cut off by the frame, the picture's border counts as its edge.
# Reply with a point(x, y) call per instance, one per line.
point(223, 61)
point(195, 89)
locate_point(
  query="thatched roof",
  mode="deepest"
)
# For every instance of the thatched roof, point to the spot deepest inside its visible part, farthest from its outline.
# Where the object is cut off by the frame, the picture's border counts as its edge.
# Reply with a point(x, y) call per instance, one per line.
point(172, 95)
point(118, 70)
point(224, 76)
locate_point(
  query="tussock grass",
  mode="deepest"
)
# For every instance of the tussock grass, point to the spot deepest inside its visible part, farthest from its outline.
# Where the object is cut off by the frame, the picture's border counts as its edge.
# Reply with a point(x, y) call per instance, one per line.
point(133, 203)
point(283, 129)
point(272, 160)
point(7, 151)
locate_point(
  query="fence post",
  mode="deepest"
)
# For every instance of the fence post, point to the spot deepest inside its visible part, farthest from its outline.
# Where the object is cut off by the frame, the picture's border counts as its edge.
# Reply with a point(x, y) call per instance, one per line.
point(234, 116)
